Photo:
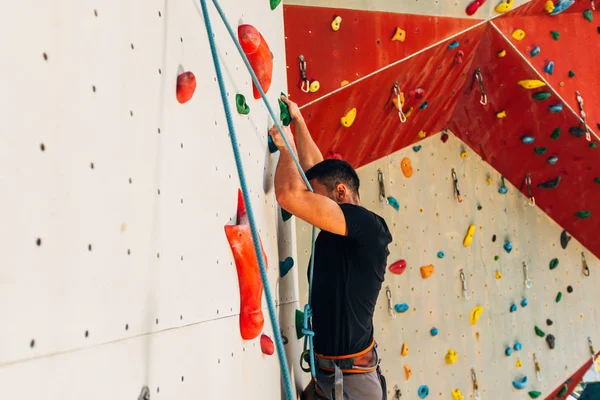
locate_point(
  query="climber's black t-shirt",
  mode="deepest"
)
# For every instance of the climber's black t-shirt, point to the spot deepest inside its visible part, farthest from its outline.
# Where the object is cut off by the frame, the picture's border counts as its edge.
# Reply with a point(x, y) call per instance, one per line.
point(347, 278)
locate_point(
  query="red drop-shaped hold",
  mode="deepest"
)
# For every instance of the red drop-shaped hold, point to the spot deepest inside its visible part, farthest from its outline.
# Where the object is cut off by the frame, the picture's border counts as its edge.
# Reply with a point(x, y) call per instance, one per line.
point(259, 56)
point(266, 345)
point(333, 154)
point(474, 6)
point(444, 137)
point(186, 85)
point(398, 267)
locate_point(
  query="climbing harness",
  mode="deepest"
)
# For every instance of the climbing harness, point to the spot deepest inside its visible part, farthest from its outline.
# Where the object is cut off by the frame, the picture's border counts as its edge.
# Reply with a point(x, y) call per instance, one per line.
point(478, 77)
point(528, 282)
point(528, 183)
point(304, 84)
point(476, 394)
point(456, 191)
point(464, 285)
point(586, 269)
point(398, 95)
point(583, 115)
point(388, 293)
point(283, 365)
point(382, 196)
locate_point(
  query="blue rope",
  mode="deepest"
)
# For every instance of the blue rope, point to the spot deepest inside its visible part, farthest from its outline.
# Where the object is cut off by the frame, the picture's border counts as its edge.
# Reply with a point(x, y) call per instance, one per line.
point(234, 144)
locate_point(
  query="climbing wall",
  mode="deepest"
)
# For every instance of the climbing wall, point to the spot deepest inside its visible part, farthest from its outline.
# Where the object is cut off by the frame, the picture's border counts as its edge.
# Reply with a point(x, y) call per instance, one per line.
point(429, 229)
point(115, 269)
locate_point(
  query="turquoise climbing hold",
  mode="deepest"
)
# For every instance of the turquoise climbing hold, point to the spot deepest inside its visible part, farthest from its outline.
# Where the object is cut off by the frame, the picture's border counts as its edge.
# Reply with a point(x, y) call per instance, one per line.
point(527, 139)
point(524, 303)
point(416, 148)
point(561, 6)
point(503, 190)
point(552, 160)
point(393, 202)
point(285, 266)
point(549, 68)
point(423, 391)
point(453, 45)
point(513, 307)
point(522, 384)
point(424, 105)
point(440, 254)
point(401, 308)
point(272, 147)
point(508, 246)
point(434, 331)
point(518, 346)
point(535, 51)
point(555, 108)
point(587, 14)
point(508, 351)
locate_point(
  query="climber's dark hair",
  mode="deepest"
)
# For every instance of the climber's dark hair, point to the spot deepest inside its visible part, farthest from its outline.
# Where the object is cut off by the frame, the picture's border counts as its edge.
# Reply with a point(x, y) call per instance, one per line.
point(332, 172)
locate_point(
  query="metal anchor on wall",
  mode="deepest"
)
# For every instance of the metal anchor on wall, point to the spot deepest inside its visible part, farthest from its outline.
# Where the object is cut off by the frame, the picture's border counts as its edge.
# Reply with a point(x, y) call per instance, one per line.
point(388, 293)
point(528, 282)
point(464, 285)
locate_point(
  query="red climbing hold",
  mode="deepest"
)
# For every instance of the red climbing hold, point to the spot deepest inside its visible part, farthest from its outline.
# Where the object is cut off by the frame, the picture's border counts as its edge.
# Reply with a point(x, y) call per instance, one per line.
point(444, 137)
point(266, 345)
point(474, 6)
point(259, 56)
point(398, 267)
point(251, 288)
point(417, 93)
point(334, 155)
point(186, 85)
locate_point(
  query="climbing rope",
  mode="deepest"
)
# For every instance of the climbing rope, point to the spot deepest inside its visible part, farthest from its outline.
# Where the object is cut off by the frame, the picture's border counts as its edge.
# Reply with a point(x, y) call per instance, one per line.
point(256, 240)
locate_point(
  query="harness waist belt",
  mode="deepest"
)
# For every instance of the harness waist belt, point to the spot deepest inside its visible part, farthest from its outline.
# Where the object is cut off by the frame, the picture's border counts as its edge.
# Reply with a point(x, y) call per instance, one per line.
point(359, 363)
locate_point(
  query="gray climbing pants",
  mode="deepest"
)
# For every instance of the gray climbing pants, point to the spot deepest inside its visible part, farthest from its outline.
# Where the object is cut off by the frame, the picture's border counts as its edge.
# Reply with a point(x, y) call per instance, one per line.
point(366, 386)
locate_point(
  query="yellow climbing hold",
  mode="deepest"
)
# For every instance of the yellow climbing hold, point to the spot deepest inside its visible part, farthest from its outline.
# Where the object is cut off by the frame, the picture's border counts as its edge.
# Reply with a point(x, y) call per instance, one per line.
point(457, 395)
point(399, 35)
point(395, 101)
point(451, 356)
point(469, 236)
point(407, 114)
point(518, 34)
point(475, 314)
point(314, 86)
point(549, 7)
point(488, 181)
point(422, 134)
point(531, 83)
point(344, 83)
point(407, 371)
point(501, 114)
point(335, 24)
point(562, 84)
point(498, 275)
point(502, 53)
point(504, 6)
point(404, 351)
point(464, 154)
point(348, 119)
point(519, 364)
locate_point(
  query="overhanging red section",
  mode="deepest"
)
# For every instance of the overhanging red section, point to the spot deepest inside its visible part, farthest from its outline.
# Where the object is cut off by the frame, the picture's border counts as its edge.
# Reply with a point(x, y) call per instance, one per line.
point(361, 46)
point(536, 8)
point(573, 381)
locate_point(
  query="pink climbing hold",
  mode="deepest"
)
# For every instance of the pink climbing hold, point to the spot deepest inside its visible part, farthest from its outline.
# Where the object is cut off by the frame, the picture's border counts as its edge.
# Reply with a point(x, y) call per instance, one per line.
point(266, 345)
point(334, 155)
point(458, 57)
point(474, 6)
point(417, 93)
point(398, 267)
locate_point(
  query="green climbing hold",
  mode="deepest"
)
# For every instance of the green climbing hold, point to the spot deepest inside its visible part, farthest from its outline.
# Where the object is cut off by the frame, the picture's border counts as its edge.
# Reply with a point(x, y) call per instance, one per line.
point(587, 14)
point(597, 180)
point(553, 263)
point(240, 103)
point(555, 35)
point(539, 150)
point(541, 96)
point(534, 394)
point(285, 215)
point(583, 214)
point(563, 391)
point(274, 4)
point(299, 324)
point(555, 133)
point(496, 258)
point(571, 74)
point(558, 297)
point(284, 111)
point(593, 145)
point(539, 332)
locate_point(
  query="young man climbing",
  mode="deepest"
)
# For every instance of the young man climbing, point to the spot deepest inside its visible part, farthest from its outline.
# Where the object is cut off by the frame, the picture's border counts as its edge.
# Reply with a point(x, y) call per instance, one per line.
point(349, 265)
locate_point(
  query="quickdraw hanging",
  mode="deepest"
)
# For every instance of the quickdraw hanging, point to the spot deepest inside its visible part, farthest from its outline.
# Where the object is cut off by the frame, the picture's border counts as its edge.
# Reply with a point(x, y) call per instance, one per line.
point(478, 77)
point(583, 115)
point(528, 282)
point(398, 101)
point(586, 269)
point(528, 183)
point(464, 285)
point(476, 394)
point(592, 5)
point(382, 196)
point(304, 84)
point(456, 190)
point(388, 293)
point(538, 370)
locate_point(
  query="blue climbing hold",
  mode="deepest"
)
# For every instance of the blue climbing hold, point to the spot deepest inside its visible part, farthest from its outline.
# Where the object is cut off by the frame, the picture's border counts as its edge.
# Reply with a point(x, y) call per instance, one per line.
point(518, 346)
point(424, 105)
point(285, 266)
point(561, 6)
point(440, 254)
point(434, 331)
point(272, 147)
point(453, 45)
point(416, 148)
point(522, 384)
point(401, 308)
point(535, 51)
point(524, 303)
point(527, 139)
point(423, 391)
point(513, 308)
point(552, 160)
point(394, 203)
point(503, 190)
point(508, 246)
point(508, 351)
point(549, 68)
point(556, 108)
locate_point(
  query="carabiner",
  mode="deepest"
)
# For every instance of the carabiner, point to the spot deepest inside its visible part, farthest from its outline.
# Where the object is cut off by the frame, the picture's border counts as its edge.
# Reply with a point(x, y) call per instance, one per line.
point(388, 293)
point(456, 190)
point(464, 285)
point(528, 282)
point(528, 183)
point(398, 93)
point(382, 196)
point(586, 269)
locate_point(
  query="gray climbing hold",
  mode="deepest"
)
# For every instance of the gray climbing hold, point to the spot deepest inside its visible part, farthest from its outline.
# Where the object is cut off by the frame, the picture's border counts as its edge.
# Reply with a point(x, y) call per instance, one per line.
point(552, 160)
point(555, 108)
point(576, 131)
point(564, 239)
point(551, 184)
point(551, 340)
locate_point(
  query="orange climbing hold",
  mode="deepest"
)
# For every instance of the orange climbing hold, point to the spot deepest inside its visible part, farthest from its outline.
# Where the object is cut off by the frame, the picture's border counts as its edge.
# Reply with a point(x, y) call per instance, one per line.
point(186, 86)
point(406, 167)
point(427, 271)
point(246, 263)
point(407, 371)
point(259, 55)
